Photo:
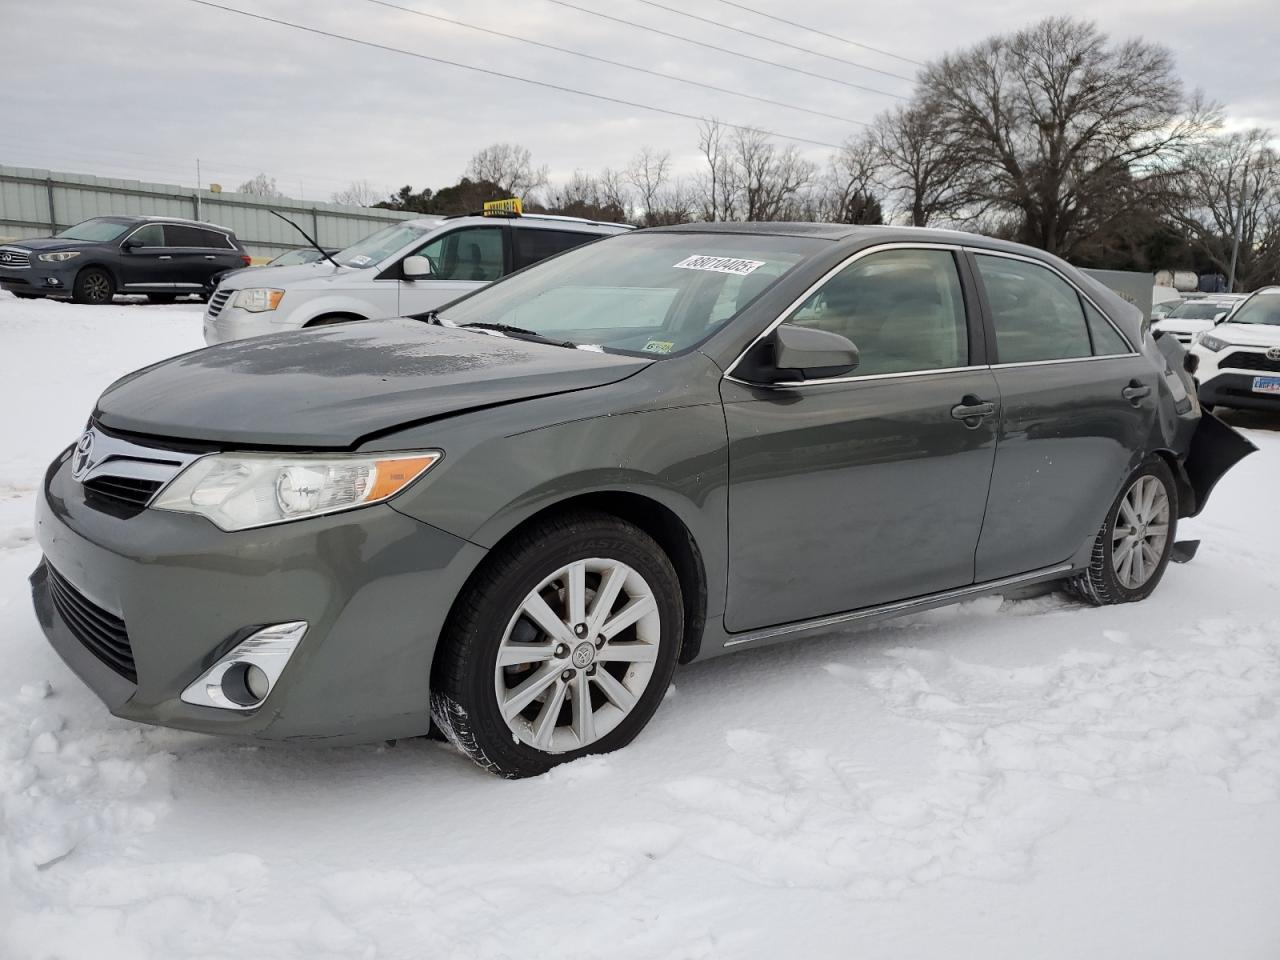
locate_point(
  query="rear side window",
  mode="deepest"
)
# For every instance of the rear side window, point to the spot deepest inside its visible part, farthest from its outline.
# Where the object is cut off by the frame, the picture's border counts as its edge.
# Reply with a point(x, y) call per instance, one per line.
point(1106, 341)
point(176, 235)
point(903, 310)
point(213, 240)
point(533, 244)
point(1037, 314)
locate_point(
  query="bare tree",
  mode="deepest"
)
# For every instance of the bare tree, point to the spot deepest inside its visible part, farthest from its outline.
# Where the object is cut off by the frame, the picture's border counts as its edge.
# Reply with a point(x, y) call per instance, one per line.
point(1230, 186)
point(718, 186)
point(649, 172)
point(850, 187)
point(359, 193)
point(923, 164)
point(1062, 127)
point(510, 166)
point(260, 186)
point(582, 196)
point(772, 179)
point(613, 190)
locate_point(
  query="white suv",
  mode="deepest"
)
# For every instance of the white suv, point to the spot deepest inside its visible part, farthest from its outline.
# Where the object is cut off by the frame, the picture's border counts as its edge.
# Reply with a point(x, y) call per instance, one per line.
point(406, 268)
point(1237, 363)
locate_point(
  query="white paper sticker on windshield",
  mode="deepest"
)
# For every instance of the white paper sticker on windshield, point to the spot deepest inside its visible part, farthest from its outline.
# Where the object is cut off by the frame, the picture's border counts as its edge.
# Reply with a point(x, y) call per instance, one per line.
point(719, 264)
point(361, 260)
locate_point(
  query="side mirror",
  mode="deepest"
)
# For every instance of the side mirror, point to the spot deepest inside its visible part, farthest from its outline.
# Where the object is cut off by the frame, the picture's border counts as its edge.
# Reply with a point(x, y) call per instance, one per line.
point(814, 353)
point(415, 267)
point(1219, 317)
point(131, 244)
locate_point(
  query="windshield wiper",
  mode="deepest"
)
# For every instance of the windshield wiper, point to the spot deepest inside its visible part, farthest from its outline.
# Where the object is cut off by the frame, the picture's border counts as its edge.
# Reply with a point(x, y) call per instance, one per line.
point(520, 333)
point(310, 239)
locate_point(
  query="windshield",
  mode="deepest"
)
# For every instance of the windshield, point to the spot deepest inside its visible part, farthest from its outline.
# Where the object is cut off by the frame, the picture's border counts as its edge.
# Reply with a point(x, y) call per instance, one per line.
point(1260, 308)
point(295, 257)
point(648, 294)
point(378, 246)
point(1199, 310)
point(95, 231)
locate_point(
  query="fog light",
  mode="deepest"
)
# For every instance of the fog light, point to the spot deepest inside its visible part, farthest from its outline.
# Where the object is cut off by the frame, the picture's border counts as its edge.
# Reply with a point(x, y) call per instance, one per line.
point(52, 281)
point(245, 677)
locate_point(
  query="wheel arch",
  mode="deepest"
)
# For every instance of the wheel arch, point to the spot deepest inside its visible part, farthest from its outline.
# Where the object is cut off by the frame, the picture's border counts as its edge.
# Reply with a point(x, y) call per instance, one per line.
point(1186, 493)
point(333, 316)
point(658, 521)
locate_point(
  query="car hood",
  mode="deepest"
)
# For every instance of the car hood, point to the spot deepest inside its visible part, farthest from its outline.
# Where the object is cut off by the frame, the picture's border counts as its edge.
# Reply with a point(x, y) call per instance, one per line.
point(321, 273)
point(1248, 334)
point(1180, 325)
point(332, 387)
point(49, 243)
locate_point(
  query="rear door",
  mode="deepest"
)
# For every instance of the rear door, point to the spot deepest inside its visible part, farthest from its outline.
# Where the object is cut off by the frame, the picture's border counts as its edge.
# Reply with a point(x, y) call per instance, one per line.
point(462, 260)
point(860, 490)
point(198, 254)
point(1077, 405)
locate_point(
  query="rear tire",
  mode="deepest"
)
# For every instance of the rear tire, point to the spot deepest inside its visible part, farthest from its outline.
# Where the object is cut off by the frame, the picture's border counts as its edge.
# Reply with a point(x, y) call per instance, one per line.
point(93, 285)
point(1132, 549)
point(558, 693)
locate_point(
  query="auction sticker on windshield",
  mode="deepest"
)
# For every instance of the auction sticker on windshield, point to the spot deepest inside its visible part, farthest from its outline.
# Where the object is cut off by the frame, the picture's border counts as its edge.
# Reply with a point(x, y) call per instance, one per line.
point(719, 264)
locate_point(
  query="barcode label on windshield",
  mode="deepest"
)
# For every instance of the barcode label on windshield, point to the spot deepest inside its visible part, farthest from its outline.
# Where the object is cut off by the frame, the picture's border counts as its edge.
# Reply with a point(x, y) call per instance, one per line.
point(719, 264)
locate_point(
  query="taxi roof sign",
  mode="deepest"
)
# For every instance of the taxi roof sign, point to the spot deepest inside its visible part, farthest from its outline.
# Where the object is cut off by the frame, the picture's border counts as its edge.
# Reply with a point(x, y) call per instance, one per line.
point(499, 208)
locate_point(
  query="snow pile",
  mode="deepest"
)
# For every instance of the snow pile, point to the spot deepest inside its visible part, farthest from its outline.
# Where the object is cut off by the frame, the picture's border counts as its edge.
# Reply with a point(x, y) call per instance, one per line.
point(1023, 777)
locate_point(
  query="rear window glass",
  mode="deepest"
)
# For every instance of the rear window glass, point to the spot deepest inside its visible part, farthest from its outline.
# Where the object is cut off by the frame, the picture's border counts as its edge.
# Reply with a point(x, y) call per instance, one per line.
point(1037, 314)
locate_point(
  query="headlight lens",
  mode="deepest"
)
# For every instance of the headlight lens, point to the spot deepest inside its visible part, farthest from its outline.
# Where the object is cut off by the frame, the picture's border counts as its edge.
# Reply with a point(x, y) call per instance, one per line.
point(1210, 342)
point(241, 490)
point(60, 256)
point(258, 299)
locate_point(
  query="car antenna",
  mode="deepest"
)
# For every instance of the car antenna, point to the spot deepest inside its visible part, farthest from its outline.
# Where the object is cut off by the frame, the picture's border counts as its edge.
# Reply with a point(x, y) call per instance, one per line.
point(324, 253)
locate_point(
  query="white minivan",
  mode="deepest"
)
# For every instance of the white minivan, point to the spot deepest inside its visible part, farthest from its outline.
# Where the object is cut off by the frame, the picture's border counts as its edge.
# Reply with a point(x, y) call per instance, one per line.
point(405, 268)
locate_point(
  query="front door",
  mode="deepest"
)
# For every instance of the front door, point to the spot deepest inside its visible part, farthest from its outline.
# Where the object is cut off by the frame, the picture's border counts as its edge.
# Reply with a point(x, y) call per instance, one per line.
point(870, 488)
point(149, 264)
point(1076, 402)
point(461, 261)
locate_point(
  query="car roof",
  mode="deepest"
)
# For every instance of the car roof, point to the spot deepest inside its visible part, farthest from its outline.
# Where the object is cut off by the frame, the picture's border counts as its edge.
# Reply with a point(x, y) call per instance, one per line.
point(549, 220)
point(137, 218)
point(859, 234)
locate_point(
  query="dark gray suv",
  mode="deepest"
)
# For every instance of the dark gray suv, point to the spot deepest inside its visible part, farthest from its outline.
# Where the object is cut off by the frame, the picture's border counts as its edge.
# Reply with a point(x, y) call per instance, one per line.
point(517, 515)
point(91, 262)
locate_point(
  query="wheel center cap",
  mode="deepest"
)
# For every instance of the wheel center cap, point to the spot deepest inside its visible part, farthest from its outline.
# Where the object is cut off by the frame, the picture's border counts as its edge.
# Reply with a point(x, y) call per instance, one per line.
point(583, 655)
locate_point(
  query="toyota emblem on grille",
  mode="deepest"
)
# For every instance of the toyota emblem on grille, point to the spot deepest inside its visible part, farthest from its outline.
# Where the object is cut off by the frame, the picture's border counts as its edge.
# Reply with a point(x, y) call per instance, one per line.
point(82, 456)
point(1273, 353)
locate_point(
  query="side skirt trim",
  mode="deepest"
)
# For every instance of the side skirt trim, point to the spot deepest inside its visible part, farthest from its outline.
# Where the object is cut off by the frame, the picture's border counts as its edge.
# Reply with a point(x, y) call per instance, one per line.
point(898, 606)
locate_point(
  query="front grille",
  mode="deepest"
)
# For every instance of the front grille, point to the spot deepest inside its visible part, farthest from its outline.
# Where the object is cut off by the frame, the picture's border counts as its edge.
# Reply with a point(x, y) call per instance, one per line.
point(14, 258)
point(1250, 361)
point(218, 301)
point(129, 490)
point(103, 634)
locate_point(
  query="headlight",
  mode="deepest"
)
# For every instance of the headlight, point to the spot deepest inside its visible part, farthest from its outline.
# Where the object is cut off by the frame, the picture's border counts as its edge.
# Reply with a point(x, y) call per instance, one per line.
point(258, 299)
point(241, 490)
point(59, 256)
point(1210, 342)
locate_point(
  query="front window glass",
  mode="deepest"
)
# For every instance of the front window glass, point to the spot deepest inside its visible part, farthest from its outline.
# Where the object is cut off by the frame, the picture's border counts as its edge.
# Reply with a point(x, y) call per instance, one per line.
point(295, 257)
point(1037, 314)
point(152, 235)
point(378, 246)
point(1260, 308)
point(94, 231)
point(903, 310)
point(1198, 310)
point(472, 253)
point(649, 294)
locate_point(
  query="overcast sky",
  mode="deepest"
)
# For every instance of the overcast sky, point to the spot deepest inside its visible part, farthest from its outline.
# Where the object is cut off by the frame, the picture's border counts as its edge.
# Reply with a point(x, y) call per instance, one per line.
point(140, 89)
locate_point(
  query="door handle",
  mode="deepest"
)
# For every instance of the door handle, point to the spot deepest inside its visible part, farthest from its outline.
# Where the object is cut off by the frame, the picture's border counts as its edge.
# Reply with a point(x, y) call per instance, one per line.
point(972, 411)
point(164, 256)
point(1135, 391)
point(211, 257)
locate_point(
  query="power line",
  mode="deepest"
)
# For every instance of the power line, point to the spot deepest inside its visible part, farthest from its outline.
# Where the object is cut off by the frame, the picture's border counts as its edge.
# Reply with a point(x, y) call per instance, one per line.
point(505, 76)
point(732, 53)
point(613, 63)
point(821, 33)
point(781, 43)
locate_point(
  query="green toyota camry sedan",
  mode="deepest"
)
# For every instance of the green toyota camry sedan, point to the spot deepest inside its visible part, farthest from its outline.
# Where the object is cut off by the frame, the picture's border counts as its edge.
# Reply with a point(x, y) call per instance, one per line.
point(515, 516)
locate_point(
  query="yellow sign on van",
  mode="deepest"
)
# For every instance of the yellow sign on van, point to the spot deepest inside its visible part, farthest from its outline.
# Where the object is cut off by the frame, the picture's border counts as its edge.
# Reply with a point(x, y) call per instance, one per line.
point(497, 208)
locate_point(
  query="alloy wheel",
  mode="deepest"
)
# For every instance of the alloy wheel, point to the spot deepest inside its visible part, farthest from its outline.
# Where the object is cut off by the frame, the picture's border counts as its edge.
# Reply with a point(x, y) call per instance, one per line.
point(97, 288)
point(577, 655)
point(1141, 532)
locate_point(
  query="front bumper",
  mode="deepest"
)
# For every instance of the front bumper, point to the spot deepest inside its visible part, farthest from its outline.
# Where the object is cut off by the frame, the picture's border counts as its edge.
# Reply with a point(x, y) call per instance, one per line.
point(44, 279)
point(232, 323)
point(374, 586)
point(1236, 390)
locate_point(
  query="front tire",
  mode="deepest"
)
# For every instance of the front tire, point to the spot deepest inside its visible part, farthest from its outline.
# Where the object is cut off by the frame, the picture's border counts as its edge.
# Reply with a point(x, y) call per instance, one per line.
point(1132, 549)
point(93, 285)
point(562, 645)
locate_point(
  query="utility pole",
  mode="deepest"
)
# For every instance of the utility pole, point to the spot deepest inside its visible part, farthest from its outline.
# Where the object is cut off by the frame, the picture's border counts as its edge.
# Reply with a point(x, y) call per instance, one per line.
point(197, 188)
point(1235, 240)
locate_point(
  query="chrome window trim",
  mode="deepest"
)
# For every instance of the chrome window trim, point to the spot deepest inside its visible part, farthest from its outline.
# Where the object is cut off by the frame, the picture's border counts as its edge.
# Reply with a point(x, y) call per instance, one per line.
point(785, 384)
point(819, 283)
point(981, 251)
point(165, 246)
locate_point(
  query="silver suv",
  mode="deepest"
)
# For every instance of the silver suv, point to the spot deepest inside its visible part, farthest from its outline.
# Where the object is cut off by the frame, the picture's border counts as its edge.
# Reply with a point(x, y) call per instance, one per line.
point(403, 269)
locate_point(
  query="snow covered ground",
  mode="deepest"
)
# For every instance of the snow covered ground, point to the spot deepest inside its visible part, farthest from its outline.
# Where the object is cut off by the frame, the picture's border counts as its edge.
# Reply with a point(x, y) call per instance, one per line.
point(1018, 778)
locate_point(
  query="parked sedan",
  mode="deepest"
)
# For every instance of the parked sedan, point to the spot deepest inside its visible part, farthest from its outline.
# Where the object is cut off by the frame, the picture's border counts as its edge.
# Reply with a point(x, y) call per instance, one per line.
point(517, 516)
point(91, 262)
